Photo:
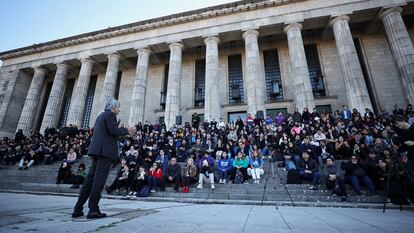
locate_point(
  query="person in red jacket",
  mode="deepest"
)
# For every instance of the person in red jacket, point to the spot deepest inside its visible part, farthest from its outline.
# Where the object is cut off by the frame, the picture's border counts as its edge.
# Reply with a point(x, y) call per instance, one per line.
point(155, 177)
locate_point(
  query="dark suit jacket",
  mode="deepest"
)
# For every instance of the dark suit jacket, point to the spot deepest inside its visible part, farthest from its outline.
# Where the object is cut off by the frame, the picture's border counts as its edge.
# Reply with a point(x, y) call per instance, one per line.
point(104, 141)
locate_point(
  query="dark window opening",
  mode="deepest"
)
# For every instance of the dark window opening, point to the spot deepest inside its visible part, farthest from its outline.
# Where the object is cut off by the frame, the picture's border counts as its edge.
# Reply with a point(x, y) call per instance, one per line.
point(67, 97)
point(274, 88)
point(200, 82)
point(163, 97)
point(235, 70)
point(327, 108)
point(315, 72)
point(118, 85)
point(89, 102)
point(44, 104)
point(275, 111)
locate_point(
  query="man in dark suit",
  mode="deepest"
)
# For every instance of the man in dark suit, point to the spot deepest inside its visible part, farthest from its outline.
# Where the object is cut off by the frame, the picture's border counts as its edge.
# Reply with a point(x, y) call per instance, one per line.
point(103, 149)
point(346, 114)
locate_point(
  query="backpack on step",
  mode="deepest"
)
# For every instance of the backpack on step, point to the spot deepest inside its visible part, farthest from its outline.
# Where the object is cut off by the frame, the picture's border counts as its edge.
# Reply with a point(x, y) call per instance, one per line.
point(238, 179)
point(293, 177)
point(144, 191)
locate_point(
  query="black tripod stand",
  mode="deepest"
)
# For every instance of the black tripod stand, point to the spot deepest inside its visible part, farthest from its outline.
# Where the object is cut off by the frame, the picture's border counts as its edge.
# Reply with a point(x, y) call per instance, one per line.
point(394, 168)
point(270, 170)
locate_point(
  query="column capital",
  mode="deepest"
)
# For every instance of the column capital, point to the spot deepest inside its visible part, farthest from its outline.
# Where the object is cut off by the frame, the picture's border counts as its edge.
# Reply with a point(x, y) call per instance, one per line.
point(39, 69)
point(176, 44)
point(250, 32)
point(87, 60)
point(389, 11)
point(115, 56)
point(62, 65)
point(211, 38)
point(338, 18)
point(143, 50)
point(291, 26)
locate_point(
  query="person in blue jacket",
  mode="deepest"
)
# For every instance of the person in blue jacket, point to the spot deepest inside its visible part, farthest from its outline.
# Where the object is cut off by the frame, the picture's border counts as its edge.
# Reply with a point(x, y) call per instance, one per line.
point(224, 167)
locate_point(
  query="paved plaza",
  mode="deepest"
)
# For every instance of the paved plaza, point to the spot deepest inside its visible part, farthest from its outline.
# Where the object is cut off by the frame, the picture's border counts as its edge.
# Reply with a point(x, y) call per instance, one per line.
point(36, 213)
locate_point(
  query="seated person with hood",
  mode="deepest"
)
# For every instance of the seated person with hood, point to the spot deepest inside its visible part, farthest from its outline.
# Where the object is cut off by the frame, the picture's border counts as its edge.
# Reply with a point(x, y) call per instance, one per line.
point(335, 180)
point(206, 175)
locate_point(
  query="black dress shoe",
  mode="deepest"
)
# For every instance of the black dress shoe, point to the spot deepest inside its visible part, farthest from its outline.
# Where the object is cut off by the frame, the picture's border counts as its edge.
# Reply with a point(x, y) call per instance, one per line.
point(77, 214)
point(94, 215)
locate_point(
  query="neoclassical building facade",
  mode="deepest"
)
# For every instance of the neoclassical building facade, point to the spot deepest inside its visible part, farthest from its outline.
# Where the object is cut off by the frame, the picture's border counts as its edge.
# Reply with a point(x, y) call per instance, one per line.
point(221, 62)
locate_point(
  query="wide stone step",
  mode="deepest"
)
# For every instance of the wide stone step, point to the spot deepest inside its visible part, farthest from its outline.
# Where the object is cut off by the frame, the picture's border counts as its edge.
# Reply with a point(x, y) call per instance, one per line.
point(225, 194)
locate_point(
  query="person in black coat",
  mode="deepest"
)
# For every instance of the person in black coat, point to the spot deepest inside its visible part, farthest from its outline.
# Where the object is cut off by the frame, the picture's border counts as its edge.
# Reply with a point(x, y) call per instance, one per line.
point(173, 175)
point(103, 149)
point(308, 169)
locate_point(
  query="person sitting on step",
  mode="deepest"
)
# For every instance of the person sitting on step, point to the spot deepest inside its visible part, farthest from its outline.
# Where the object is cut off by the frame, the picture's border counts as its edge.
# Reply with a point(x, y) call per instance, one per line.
point(334, 179)
point(27, 160)
point(64, 173)
point(140, 180)
point(120, 181)
point(308, 169)
point(190, 173)
point(79, 176)
point(155, 177)
point(240, 163)
point(206, 175)
point(173, 175)
point(255, 169)
point(224, 167)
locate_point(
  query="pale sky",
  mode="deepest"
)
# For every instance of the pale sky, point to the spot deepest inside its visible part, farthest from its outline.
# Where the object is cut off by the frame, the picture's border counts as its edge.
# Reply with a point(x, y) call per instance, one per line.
point(27, 22)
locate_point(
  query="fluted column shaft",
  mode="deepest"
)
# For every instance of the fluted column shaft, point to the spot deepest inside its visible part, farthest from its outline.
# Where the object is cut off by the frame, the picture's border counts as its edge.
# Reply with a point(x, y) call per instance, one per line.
point(110, 78)
point(77, 104)
point(402, 49)
point(255, 80)
point(212, 98)
point(32, 100)
point(140, 87)
point(172, 106)
point(51, 116)
point(302, 85)
point(356, 88)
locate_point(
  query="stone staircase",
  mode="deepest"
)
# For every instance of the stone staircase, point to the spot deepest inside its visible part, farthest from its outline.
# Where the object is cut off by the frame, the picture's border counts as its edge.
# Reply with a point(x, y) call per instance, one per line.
point(272, 191)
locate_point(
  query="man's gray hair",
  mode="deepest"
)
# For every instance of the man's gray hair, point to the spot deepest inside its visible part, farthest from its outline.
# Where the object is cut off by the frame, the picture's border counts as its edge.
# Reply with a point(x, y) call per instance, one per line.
point(112, 103)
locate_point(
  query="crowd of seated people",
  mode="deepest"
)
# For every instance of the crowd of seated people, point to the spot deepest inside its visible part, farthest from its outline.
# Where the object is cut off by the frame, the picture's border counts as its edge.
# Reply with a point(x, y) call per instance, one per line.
point(339, 148)
point(69, 143)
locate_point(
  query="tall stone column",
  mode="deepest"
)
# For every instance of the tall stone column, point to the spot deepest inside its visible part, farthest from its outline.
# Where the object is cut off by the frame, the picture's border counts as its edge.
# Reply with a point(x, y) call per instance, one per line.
point(356, 88)
point(77, 104)
point(32, 100)
point(172, 106)
point(51, 116)
point(402, 49)
point(140, 87)
point(255, 80)
point(212, 98)
point(110, 78)
point(302, 85)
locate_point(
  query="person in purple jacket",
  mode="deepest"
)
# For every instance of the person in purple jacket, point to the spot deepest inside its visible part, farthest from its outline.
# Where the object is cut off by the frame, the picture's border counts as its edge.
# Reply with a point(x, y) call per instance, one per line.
point(207, 157)
point(279, 119)
point(224, 166)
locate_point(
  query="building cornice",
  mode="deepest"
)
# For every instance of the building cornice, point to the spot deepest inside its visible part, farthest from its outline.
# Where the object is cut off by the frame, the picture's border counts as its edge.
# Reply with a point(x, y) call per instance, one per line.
point(165, 21)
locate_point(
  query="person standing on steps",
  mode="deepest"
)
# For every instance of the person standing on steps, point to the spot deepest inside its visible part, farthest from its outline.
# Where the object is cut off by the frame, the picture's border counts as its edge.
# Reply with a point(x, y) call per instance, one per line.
point(103, 149)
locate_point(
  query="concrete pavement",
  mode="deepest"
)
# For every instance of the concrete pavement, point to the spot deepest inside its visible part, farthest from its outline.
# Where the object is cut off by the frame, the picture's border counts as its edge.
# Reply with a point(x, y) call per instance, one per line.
point(43, 213)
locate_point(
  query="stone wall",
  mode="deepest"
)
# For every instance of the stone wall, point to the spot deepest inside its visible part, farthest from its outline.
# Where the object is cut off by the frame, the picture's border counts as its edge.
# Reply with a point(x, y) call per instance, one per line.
point(384, 74)
point(16, 102)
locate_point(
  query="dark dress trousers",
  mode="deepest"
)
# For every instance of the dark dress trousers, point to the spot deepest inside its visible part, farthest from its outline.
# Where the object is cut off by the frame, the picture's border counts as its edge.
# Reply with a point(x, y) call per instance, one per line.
point(103, 149)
